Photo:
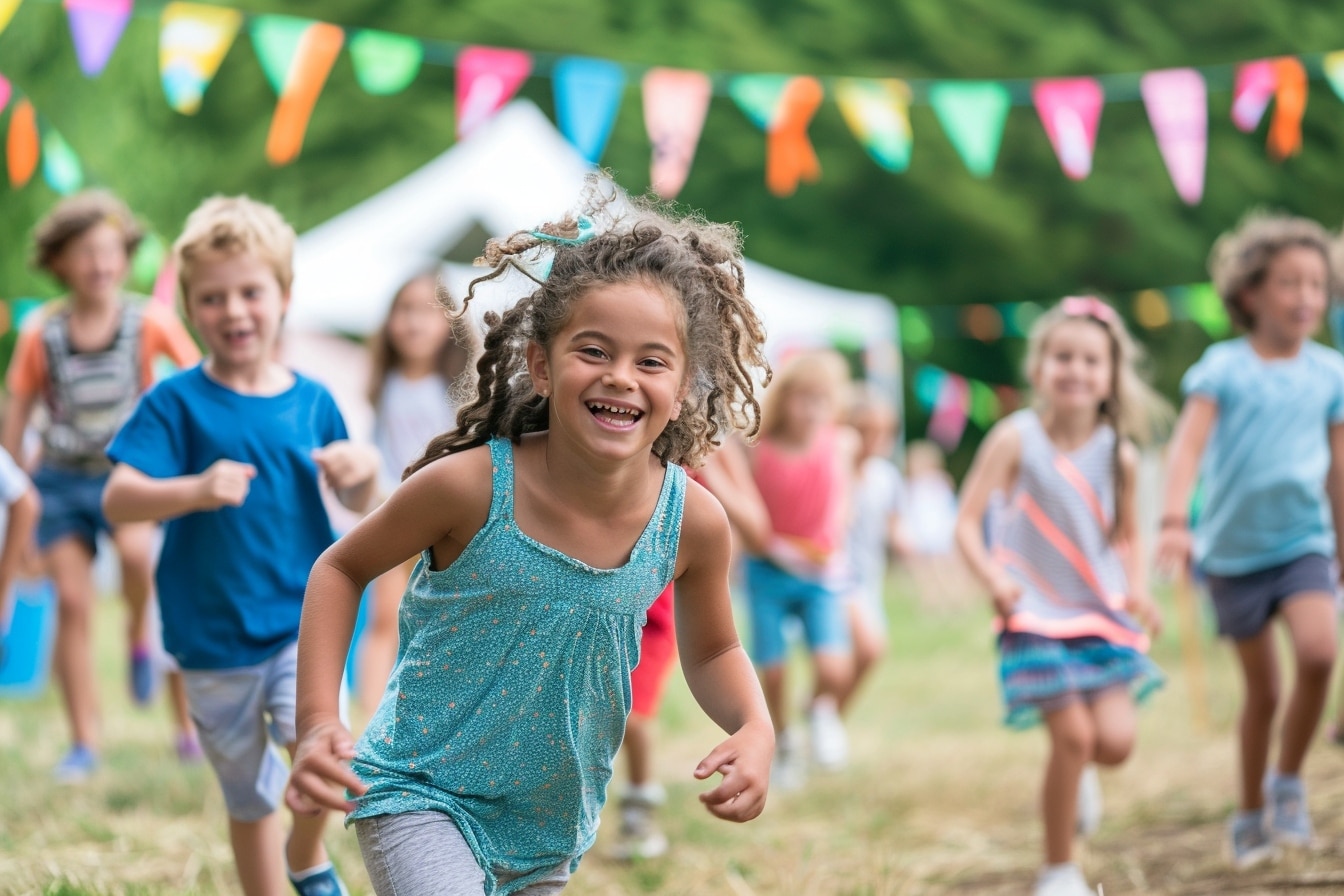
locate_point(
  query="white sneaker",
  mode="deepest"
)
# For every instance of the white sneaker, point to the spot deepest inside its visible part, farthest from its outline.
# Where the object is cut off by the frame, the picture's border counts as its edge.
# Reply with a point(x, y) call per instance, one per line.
point(1062, 880)
point(787, 771)
point(640, 837)
point(1089, 802)
point(830, 743)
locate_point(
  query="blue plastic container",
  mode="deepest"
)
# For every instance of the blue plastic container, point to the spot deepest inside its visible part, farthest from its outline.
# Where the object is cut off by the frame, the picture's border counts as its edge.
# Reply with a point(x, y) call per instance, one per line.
point(27, 646)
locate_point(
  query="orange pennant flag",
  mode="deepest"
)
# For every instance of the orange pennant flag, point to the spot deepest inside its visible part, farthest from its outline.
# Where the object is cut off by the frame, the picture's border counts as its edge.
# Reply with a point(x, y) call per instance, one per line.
point(789, 153)
point(313, 59)
point(21, 148)
point(1290, 103)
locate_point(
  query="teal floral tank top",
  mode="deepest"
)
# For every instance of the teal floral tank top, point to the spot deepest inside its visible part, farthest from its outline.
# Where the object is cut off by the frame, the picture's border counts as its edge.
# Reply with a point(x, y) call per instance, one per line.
point(512, 685)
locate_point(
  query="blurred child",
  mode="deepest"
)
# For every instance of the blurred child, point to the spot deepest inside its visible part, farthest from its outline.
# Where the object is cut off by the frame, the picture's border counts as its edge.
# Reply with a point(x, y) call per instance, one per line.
point(551, 519)
point(85, 365)
point(929, 526)
point(1263, 428)
point(1067, 575)
point(875, 531)
point(421, 362)
point(21, 510)
point(230, 453)
point(803, 466)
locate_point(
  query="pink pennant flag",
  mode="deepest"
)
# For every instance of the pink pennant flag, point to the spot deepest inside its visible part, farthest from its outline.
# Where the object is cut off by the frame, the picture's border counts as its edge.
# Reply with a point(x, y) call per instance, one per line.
point(1251, 93)
point(1178, 108)
point(487, 78)
point(948, 421)
point(165, 285)
point(95, 28)
point(675, 104)
point(1070, 110)
point(5, 91)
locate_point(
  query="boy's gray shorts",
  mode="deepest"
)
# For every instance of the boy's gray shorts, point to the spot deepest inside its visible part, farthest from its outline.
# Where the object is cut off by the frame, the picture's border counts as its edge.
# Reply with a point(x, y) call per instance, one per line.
point(1245, 604)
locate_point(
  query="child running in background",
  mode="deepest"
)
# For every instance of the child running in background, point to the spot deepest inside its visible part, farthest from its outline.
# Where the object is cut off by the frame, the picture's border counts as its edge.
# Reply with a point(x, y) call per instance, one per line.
point(86, 365)
point(549, 521)
point(1263, 428)
point(1067, 574)
point(230, 453)
point(802, 467)
point(875, 530)
point(421, 364)
point(930, 522)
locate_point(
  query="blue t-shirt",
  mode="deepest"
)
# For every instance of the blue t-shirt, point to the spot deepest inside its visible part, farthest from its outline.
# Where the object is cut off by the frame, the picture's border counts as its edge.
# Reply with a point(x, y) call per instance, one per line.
point(231, 581)
point(1265, 465)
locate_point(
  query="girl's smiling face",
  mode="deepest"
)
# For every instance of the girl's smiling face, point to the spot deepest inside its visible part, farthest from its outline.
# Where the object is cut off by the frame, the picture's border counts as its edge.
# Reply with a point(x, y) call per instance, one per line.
point(417, 326)
point(616, 372)
point(1075, 370)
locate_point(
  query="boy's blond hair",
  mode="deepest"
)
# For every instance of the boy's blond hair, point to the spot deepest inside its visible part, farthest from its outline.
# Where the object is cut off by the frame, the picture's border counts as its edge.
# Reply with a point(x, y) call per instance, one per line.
point(234, 224)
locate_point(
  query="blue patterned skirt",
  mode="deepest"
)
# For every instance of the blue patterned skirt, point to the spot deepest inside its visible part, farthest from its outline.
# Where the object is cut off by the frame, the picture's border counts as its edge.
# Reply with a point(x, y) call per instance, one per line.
point(1040, 675)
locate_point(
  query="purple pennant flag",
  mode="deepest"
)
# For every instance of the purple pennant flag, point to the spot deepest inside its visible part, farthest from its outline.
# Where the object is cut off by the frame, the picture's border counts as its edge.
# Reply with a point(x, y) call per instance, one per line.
point(95, 28)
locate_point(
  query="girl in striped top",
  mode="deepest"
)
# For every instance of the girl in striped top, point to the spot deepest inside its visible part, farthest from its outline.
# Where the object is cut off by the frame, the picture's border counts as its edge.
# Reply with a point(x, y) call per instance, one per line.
point(1065, 571)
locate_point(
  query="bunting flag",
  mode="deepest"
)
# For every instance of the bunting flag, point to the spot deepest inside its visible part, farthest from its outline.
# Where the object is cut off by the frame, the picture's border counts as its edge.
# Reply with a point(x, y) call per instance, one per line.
point(1290, 104)
point(1070, 110)
point(193, 40)
point(878, 112)
point(1178, 109)
point(587, 97)
point(7, 10)
point(165, 284)
point(1251, 92)
point(675, 104)
point(487, 78)
point(95, 29)
point(21, 145)
point(296, 55)
point(5, 91)
point(947, 423)
point(60, 166)
point(783, 106)
point(385, 63)
point(972, 114)
point(1333, 65)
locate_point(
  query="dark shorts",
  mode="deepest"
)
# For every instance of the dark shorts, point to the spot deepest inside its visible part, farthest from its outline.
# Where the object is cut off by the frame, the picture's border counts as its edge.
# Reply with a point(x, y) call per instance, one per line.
point(72, 506)
point(1245, 604)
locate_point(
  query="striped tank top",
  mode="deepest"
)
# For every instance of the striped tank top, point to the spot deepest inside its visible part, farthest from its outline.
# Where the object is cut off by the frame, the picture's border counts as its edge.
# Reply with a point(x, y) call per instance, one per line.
point(1053, 537)
point(512, 686)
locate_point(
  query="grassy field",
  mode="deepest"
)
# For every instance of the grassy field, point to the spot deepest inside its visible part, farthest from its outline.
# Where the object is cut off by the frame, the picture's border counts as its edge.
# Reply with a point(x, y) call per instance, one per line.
point(939, 798)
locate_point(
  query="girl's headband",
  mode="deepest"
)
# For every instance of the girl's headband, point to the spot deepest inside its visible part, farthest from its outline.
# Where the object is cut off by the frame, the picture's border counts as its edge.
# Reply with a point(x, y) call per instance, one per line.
point(540, 269)
point(1089, 306)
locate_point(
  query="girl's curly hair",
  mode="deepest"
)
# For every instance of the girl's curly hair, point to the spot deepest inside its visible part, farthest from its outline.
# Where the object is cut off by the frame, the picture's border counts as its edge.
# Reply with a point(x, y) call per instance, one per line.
point(696, 263)
point(1240, 258)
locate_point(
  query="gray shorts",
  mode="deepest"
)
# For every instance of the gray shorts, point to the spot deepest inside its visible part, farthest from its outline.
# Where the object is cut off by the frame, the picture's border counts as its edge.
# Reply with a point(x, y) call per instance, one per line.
point(425, 854)
point(242, 715)
point(1245, 604)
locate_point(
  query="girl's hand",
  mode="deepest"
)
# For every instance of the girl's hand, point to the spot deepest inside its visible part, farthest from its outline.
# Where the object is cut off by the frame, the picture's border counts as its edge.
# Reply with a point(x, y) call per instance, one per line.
point(225, 484)
point(1172, 555)
point(1005, 592)
point(744, 762)
point(1145, 611)
point(320, 769)
point(345, 465)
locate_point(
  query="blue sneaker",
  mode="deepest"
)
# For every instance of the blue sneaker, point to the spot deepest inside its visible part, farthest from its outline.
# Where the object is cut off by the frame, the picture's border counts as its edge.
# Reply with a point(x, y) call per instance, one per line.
point(144, 677)
point(320, 881)
point(1248, 841)
point(76, 766)
point(1289, 823)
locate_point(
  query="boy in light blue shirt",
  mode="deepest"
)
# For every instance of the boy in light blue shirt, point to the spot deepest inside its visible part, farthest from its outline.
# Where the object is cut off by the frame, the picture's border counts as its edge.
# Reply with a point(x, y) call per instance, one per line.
point(230, 453)
point(1263, 423)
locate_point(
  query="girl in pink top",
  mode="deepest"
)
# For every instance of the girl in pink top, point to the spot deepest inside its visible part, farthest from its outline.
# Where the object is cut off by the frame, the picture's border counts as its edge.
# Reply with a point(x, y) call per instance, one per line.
point(802, 468)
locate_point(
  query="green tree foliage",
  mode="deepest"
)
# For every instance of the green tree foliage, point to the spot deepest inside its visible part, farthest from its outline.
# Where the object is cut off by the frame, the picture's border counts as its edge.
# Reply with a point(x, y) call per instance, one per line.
point(933, 235)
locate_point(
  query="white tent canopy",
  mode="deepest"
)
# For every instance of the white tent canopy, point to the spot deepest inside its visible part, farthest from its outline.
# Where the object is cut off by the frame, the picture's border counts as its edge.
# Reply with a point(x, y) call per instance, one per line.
point(516, 172)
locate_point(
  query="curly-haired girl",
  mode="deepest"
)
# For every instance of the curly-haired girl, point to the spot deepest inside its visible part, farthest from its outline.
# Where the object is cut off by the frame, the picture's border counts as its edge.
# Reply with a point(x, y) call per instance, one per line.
point(1263, 427)
point(548, 522)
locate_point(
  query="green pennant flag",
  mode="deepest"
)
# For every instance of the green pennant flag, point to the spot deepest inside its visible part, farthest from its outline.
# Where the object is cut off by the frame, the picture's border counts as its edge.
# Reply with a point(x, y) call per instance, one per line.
point(276, 40)
point(60, 166)
point(758, 96)
point(385, 63)
point(972, 113)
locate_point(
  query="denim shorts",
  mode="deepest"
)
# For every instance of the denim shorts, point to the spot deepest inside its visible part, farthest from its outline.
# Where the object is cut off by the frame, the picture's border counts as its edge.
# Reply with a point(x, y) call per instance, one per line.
point(244, 716)
point(1245, 604)
point(774, 595)
point(72, 506)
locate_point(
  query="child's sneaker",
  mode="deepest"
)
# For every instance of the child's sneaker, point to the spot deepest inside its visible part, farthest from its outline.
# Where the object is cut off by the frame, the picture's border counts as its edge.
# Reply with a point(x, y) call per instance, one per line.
point(830, 743)
point(320, 881)
point(76, 766)
point(1089, 802)
point(640, 837)
point(143, 675)
point(189, 750)
point(1289, 823)
point(1248, 842)
point(788, 772)
point(1062, 880)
